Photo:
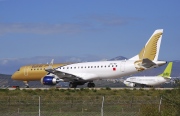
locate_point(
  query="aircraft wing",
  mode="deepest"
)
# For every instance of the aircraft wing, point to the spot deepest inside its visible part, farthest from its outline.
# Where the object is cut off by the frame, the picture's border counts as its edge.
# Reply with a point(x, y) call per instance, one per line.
point(63, 75)
point(71, 77)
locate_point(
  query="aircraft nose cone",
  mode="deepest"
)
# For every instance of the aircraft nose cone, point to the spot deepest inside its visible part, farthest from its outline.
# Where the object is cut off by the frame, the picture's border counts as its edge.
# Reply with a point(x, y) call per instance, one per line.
point(125, 82)
point(13, 76)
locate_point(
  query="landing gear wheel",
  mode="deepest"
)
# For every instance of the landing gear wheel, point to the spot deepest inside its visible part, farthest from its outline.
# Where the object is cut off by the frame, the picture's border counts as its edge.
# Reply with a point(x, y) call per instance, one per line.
point(142, 86)
point(27, 86)
point(90, 85)
point(72, 85)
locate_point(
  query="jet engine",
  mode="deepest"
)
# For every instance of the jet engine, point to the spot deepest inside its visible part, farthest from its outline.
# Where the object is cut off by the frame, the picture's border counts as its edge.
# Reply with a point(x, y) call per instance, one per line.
point(131, 84)
point(50, 80)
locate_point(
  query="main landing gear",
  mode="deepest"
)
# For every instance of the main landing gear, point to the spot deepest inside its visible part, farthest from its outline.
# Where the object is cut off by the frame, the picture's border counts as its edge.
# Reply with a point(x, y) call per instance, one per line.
point(74, 84)
point(91, 85)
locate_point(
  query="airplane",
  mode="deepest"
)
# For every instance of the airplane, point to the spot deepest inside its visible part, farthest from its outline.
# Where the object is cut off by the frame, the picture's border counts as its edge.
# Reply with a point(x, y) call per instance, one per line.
point(150, 81)
point(87, 72)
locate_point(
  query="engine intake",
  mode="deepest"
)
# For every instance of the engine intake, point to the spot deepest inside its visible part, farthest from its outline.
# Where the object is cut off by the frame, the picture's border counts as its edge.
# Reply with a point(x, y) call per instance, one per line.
point(132, 84)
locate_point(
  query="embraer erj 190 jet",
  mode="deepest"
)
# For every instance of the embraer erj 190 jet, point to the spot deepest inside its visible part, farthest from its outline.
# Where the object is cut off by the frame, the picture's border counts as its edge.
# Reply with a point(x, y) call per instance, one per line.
point(150, 81)
point(87, 72)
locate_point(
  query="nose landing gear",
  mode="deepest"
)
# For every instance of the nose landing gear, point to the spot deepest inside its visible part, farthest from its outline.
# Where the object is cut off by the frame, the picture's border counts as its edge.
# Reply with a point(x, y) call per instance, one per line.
point(26, 84)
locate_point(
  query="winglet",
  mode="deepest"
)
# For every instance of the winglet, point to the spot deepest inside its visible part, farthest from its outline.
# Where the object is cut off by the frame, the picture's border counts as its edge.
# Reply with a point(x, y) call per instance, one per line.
point(52, 61)
point(167, 71)
point(151, 48)
point(50, 68)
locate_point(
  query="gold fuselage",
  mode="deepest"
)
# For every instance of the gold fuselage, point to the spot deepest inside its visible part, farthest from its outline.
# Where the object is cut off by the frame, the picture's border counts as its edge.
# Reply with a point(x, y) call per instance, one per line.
point(32, 72)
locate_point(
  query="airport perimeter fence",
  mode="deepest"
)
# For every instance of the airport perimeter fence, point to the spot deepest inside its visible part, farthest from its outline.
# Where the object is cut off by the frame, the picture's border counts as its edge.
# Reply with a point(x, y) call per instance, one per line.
point(87, 106)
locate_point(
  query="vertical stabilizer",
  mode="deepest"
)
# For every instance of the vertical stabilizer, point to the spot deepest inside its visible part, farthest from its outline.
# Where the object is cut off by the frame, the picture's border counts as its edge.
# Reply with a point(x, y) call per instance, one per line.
point(167, 71)
point(151, 48)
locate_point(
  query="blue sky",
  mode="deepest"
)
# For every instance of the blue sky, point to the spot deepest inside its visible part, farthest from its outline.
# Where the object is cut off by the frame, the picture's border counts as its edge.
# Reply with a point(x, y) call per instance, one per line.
point(107, 28)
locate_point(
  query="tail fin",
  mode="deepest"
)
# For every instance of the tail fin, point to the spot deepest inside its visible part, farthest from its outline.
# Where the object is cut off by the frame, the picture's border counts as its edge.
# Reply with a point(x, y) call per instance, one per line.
point(151, 48)
point(167, 71)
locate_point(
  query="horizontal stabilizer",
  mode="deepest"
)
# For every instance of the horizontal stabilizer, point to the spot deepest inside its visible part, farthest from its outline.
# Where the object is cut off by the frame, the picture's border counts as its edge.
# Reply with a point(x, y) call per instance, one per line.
point(147, 63)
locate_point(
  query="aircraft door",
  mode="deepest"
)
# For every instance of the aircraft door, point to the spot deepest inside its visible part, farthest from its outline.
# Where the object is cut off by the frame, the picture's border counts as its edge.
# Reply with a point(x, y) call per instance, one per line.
point(26, 71)
point(122, 66)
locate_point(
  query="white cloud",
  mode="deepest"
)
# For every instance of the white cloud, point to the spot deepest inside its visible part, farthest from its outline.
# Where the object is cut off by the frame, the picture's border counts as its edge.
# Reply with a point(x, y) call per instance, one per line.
point(3, 62)
point(84, 23)
point(109, 20)
point(106, 20)
point(38, 28)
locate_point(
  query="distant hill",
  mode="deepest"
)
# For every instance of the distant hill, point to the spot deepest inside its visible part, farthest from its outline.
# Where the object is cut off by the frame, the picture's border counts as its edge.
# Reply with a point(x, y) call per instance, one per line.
point(118, 58)
point(11, 65)
point(5, 80)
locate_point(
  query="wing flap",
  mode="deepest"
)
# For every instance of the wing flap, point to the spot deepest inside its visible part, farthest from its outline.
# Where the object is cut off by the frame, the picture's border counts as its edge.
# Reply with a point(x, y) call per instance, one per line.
point(71, 77)
point(62, 75)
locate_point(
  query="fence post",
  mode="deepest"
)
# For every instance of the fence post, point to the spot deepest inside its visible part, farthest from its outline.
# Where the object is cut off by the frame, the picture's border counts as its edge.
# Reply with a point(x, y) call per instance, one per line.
point(60, 110)
point(132, 101)
point(160, 104)
point(39, 106)
point(102, 106)
point(82, 110)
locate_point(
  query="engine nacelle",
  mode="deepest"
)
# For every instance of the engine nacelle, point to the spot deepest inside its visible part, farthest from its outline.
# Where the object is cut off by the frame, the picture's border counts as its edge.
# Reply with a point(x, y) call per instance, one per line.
point(131, 85)
point(49, 80)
